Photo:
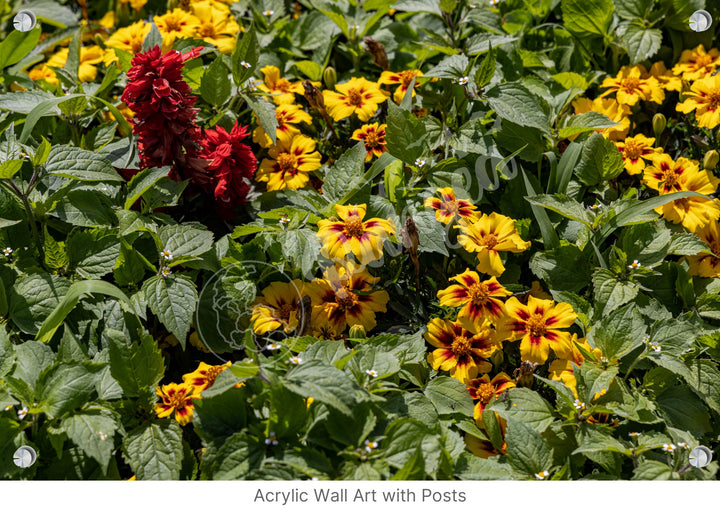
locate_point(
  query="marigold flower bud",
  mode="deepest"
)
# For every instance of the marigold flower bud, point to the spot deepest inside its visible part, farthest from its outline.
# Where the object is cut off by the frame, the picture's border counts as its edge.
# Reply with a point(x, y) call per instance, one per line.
point(659, 123)
point(357, 332)
point(314, 96)
point(711, 159)
point(330, 78)
point(377, 50)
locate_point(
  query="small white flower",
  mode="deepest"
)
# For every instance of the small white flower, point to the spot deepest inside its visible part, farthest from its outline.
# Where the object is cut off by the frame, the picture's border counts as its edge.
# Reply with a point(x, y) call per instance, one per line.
point(369, 446)
point(252, 85)
point(314, 479)
point(23, 412)
point(603, 359)
point(274, 346)
point(634, 434)
point(295, 360)
point(115, 207)
point(268, 12)
point(494, 2)
point(166, 254)
point(463, 80)
point(419, 162)
point(7, 251)
point(270, 440)
point(668, 447)
point(683, 445)
point(579, 405)
point(284, 220)
point(165, 271)
point(542, 475)
point(472, 6)
point(634, 265)
point(656, 347)
point(245, 64)
point(594, 206)
point(102, 435)
point(8, 407)
point(371, 373)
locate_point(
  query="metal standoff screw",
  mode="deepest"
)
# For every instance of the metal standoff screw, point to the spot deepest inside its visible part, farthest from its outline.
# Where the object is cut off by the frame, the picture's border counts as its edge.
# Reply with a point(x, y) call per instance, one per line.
point(700, 21)
point(700, 456)
point(24, 20)
point(24, 457)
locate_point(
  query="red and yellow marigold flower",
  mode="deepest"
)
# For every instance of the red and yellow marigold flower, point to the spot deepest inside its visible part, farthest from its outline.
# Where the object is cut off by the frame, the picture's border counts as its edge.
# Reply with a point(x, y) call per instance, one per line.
point(635, 150)
point(289, 164)
point(287, 116)
point(175, 25)
point(538, 325)
point(373, 136)
point(665, 78)
point(345, 296)
point(281, 90)
point(616, 112)
point(204, 376)
point(403, 78)
point(358, 95)
point(447, 207)
point(489, 235)
point(364, 239)
point(176, 398)
point(462, 348)
point(279, 307)
point(696, 63)
point(483, 391)
point(704, 100)
point(630, 87)
point(707, 264)
point(479, 300)
point(216, 25)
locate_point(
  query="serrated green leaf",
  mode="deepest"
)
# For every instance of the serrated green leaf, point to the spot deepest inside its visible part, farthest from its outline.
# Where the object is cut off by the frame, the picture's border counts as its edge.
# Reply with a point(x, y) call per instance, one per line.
point(184, 241)
point(514, 102)
point(587, 18)
point(79, 164)
point(137, 368)
point(155, 450)
point(173, 300)
point(525, 406)
point(527, 451)
point(600, 161)
point(215, 83)
point(323, 383)
point(406, 134)
point(93, 433)
point(34, 297)
point(65, 387)
point(142, 182)
point(449, 396)
point(239, 455)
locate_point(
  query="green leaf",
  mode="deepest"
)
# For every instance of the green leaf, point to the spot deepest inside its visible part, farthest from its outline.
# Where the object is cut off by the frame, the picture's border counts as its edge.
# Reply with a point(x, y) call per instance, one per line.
point(45, 108)
point(173, 300)
point(393, 179)
point(600, 161)
point(527, 450)
point(621, 332)
point(563, 205)
point(93, 253)
point(70, 300)
point(142, 182)
point(324, 383)
point(93, 433)
point(549, 235)
point(591, 439)
point(686, 244)
point(647, 243)
point(84, 208)
point(630, 9)
point(431, 234)
point(486, 70)
point(684, 410)
point(217, 417)
point(183, 240)
point(651, 470)
point(451, 67)
point(31, 358)
point(449, 396)
point(33, 298)
point(17, 45)
point(406, 134)
point(514, 102)
point(587, 18)
point(564, 268)
point(375, 169)
point(55, 255)
point(588, 121)
point(155, 451)
point(525, 406)
point(265, 113)
point(79, 164)
point(611, 292)
point(215, 83)
point(239, 455)
point(705, 381)
point(345, 174)
point(137, 368)
point(246, 49)
point(301, 247)
point(9, 168)
point(641, 43)
point(473, 468)
point(65, 387)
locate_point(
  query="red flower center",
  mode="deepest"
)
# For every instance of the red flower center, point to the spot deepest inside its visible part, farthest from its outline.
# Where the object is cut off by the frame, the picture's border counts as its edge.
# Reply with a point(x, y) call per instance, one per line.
point(460, 346)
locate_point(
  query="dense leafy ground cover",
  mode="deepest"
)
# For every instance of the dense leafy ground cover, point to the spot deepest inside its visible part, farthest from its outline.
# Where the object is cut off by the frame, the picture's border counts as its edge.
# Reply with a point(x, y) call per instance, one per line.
point(417, 239)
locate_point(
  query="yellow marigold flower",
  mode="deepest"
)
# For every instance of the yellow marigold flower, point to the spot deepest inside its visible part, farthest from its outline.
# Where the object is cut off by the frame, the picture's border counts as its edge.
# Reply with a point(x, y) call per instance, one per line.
point(489, 235)
point(403, 79)
point(135, 4)
point(287, 115)
point(704, 99)
point(345, 296)
point(204, 376)
point(697, 64)
point(483, 391)
point(44, 73)
point(279, 306)
point(707, 264)
point(479, 300)
point(664, 77)
point(358, 95)
point(447, 207)
point(461, 348)
point(130, 38)
point(373, 136)
point(619, 113)
point(176, 398)
point(108, 20)
point(351, 234)
point(89, 57)
point(666, 176)
point(289, 164)
point(217, 26)
point(561, 369)
point(629, 87)
point(635, 150)
point(536, 325)
point(177, 24)
point(282, 90)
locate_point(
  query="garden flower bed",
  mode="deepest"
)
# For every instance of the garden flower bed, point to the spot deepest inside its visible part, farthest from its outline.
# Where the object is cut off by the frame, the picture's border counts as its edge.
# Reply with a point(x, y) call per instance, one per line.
point(411, 239)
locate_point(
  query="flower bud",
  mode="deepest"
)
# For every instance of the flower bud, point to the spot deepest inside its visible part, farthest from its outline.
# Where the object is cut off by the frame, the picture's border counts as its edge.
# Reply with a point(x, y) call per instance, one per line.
point(524, 375)
point(313, 96)
point(377, 50)
point(330, 78)
point(357, 332)
point(711, 159)
point(659, 123)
